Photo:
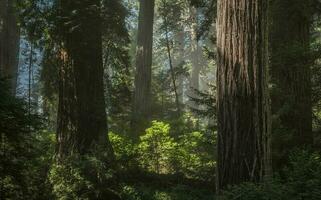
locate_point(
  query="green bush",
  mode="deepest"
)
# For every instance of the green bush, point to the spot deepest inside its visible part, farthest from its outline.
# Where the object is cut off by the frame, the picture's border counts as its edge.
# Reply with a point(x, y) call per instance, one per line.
point(25, 152)
point(126, 152)
point(155, 192)
point(303, 176)
point(69, 183)
point(130, 193)
point(156, 148)
point(190, 154)
point(251, 191)
point(83, 177)
point(196, 156)
point(302, 180)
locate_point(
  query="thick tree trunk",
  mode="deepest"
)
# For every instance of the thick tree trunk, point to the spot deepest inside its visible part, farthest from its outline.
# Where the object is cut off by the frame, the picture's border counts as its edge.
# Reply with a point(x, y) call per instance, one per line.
point(9, 43)
point(82, 122)
point(142, 94)
point(242, 92)
point(291, 77)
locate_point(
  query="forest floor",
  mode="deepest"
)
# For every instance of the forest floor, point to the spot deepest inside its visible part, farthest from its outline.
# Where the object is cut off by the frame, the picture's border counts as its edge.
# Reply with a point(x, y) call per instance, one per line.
point(167, 187)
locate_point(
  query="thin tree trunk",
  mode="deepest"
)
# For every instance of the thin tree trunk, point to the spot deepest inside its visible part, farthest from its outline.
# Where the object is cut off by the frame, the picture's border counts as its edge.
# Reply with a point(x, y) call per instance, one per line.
point(173, 77)
point(9, 43)
point(195, 58)
point(179, 61)
point(142, 93)
point(82, 121)
point(242, 92)
point(291, 76)
point(30, 68)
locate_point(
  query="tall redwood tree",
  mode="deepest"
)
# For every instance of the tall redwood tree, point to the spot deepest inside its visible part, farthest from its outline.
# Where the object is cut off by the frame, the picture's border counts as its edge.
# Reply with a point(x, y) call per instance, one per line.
point(242, 92)
point(143, 75)
point(82, 122)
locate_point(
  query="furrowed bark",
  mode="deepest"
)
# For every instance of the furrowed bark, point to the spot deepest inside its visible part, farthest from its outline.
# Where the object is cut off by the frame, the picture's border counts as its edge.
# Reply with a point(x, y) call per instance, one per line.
point(82, 121)
point(142, 93)
point(242, 92)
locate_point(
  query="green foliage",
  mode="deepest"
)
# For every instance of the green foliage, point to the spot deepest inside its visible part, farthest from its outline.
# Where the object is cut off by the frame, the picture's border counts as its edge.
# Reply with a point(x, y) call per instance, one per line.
point(24, 151)
point(69, 183)
point(125, 150)
point(25, 176)
point(191, 154)
point(196, 156)
point(156, 148)
point(186, 123)
point(130, 193)
point(251, 191)
point(302, 180)
point(81, 177)
point(303, 176)
point(117, 64)
point(208, 10)
point(152, 192)
point(206, 102)
point(60, 182)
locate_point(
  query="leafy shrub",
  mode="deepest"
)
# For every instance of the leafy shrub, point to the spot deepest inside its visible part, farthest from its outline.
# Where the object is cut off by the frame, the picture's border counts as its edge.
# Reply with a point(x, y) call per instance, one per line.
point(196, 156)
point(82, 177)
point(191, 154)
point(130, 193)
point(303, 176)
point(159, 195)
point(125, 150)
point(155, 192)
point(185, 123)
point(156, 148)
point(25, 152)
point(302, 180)
point(69, 183)
point(252, 191)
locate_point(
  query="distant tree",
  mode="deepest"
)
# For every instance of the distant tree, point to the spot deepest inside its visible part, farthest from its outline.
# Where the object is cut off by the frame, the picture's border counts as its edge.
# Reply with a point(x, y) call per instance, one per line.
point(291, 76)
point(170, 13)
point(9, 42)
point(195, 55)
point(142, 93)
point(117, 65)
point(242, 92)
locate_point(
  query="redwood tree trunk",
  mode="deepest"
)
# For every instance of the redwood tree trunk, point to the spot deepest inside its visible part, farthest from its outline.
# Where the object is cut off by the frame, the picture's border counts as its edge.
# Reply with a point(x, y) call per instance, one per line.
point(142, 94)
point(9, 43)
point(242, 92)
point(291, 76)
point(82, 121)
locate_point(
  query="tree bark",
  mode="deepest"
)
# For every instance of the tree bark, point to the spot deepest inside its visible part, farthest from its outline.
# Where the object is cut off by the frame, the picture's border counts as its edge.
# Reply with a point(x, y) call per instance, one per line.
point(172, 73)
point(178, 61)
point(9, 43)
point(291, 76)
point(142, 94)
point(195, 73)
point(242, 92)
point(82, 121)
